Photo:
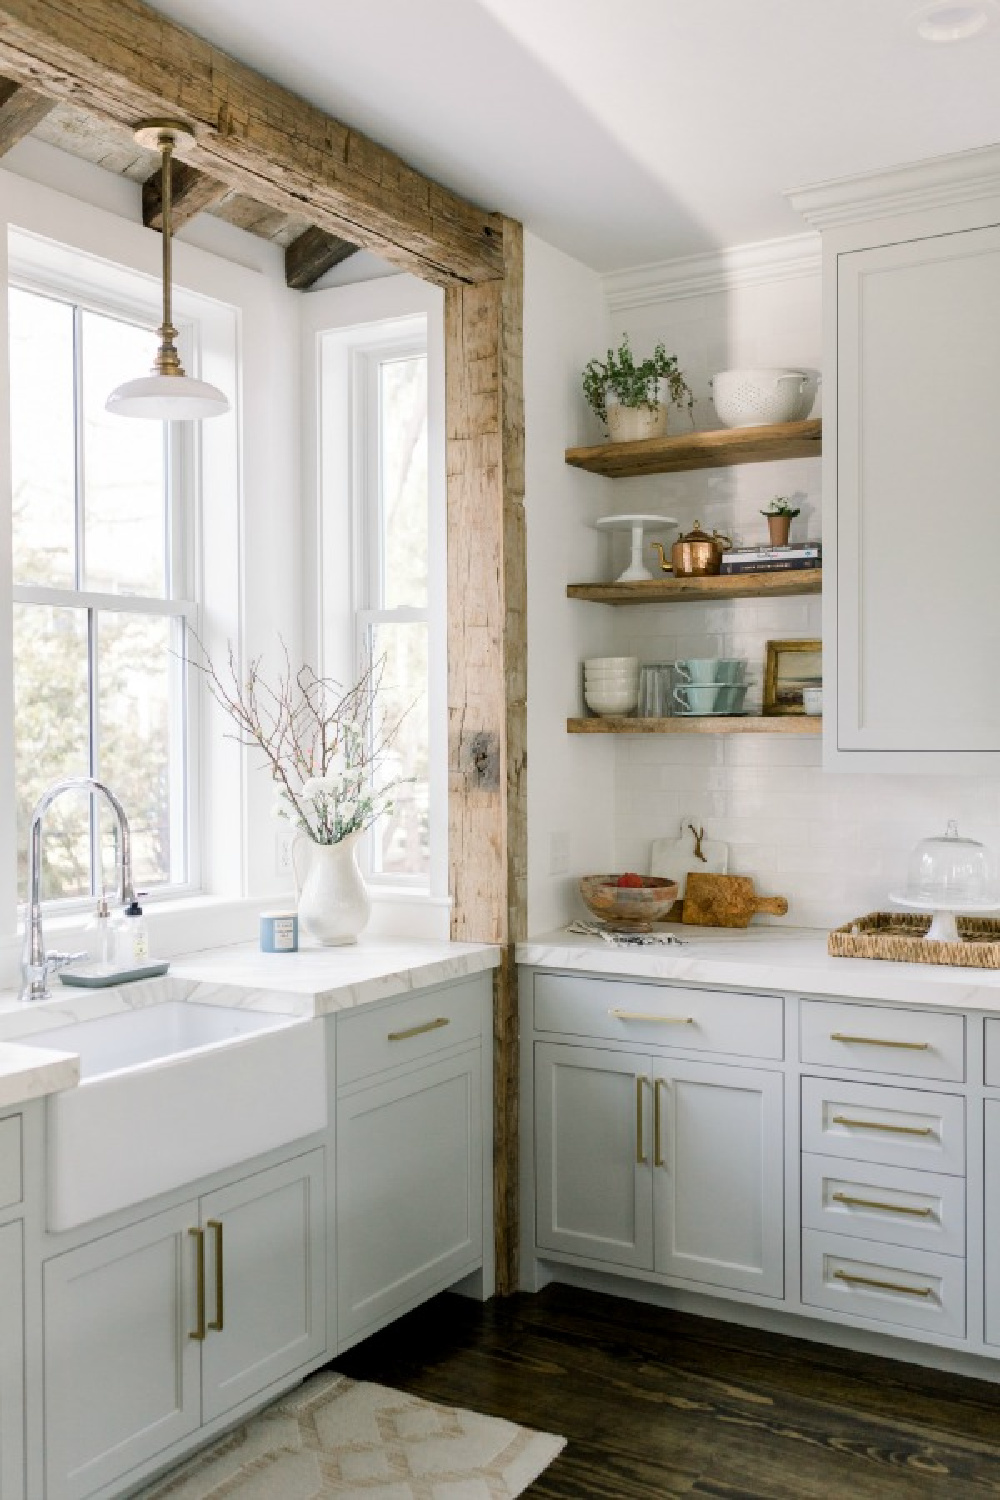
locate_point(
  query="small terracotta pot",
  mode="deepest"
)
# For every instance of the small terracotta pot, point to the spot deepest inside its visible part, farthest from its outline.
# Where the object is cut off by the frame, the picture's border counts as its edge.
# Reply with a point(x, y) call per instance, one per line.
point(779, 527)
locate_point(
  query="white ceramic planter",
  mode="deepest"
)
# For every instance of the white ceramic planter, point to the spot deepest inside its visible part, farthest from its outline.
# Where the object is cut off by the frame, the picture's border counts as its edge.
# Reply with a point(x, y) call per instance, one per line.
point(631, 424)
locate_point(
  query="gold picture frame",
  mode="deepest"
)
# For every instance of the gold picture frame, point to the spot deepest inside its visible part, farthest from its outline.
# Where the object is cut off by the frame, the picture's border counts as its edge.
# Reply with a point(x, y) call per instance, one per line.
point(790, 666)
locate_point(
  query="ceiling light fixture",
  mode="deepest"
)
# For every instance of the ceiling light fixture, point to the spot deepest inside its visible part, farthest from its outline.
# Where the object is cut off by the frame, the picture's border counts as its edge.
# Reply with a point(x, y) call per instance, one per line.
point(948, 21)
point(167, 395)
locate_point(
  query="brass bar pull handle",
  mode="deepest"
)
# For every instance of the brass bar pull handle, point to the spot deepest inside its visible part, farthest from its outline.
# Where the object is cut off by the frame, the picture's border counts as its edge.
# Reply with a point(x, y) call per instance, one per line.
point(215, 1225)
point(641, 1159)
point(404, 1036)
point(884, 1286)
point(891, 1208)
point(876, 1041)
point(639, 1015)
point(881, 1125)
point(658, 1084)
point(199, 1332)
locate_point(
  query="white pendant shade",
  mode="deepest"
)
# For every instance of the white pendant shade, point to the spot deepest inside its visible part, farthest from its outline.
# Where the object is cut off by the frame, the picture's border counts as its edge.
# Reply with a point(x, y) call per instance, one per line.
point(168, 398)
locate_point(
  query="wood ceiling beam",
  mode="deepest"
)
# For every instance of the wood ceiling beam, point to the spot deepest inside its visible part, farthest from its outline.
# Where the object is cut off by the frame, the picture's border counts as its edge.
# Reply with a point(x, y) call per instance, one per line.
point(124, 62)
point(21, 110)
point(191, 193)
point(313, 254)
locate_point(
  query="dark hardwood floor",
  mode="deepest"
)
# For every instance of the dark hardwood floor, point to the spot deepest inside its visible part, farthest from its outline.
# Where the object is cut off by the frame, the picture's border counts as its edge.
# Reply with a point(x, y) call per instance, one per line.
point(656, 1404)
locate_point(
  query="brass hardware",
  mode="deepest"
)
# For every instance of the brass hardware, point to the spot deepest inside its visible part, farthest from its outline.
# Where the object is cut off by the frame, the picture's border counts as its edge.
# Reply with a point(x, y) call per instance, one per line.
point(881, 1125)
point(641, 1159)
point(216, 1226)
point(875, 1041)
point(892, 1208)
point(639, 1015)
point(884, 1286)
point(161, 135)
point(199, 1333)
point(404, 1036)
point(658, 1084)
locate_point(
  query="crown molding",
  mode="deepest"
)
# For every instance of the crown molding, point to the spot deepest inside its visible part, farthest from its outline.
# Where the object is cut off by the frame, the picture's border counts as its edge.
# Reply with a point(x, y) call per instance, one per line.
point(715, 271)
point(936, 183)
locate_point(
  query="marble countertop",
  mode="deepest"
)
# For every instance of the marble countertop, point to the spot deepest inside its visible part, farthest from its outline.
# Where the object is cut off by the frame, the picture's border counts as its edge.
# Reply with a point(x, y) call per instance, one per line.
point(768, 958)
point(313, 982)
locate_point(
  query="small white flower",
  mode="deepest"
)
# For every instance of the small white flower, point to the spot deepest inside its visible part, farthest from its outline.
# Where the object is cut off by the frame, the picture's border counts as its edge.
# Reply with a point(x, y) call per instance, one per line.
point(313, 787)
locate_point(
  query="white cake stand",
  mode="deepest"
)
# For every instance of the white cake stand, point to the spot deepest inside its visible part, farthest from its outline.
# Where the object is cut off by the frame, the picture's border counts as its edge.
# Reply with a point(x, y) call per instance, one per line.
point(636, 572)
point(943, 928)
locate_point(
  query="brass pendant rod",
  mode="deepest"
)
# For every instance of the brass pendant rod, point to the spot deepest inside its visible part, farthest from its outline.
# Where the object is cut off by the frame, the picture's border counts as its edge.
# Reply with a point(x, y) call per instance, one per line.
point(168, 361)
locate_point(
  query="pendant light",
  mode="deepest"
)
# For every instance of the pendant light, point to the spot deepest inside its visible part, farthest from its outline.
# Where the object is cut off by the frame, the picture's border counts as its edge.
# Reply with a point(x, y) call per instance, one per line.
point(167, 395)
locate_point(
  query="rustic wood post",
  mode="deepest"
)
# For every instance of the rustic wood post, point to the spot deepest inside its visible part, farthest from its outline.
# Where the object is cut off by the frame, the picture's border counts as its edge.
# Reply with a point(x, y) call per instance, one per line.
point(487, 668)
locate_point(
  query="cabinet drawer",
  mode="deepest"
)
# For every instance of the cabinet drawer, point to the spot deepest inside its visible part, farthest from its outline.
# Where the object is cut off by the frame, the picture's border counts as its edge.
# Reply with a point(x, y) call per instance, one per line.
point(11, 1189)
point(884, 1283)
point(992, 1063)
point(387, 1036)
point(878, 1039)
point(875, 1122)
point(661, 1015)
point(925, 1210)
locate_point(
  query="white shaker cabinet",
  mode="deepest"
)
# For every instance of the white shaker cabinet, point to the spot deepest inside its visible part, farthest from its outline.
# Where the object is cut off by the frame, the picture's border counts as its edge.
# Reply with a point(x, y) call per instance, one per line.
point(911, 524)
point(156, 1329)
point(637, 1154)
point(11, 1363)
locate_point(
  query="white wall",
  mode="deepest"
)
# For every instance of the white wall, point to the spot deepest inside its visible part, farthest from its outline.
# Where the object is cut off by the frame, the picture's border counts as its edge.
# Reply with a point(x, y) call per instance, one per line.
point(570, 778)
point(833, 844)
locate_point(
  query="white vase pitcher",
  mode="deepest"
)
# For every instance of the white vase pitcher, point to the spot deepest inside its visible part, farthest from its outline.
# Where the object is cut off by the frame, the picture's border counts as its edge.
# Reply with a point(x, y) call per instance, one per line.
point(333, 901)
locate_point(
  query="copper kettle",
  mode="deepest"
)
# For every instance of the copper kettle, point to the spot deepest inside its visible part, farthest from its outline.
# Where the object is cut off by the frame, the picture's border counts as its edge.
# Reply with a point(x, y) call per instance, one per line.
point(695, 553)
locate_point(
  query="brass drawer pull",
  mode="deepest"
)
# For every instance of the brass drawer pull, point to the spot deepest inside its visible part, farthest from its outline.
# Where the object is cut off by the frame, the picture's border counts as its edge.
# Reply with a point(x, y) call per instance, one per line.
point(659, 1083)
point(404, 1036)
point(875, 1041)
point(216, 1227)
point(884, 1286)
point(881, 1125)
point(199, 1332)
point(641, 1159)
point(891, 1208)
point(640, 1015)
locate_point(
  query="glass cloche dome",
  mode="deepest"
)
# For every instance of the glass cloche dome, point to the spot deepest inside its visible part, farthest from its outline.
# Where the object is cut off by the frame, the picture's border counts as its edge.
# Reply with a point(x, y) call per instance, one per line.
point(949, 874)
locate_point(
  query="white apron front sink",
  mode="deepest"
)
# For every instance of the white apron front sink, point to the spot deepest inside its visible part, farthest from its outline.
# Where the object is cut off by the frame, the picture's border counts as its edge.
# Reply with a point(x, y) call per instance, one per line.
point(171, 1093)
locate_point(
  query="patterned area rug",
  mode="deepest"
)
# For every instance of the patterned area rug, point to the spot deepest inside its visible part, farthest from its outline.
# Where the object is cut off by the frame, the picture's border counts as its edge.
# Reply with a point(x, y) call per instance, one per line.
point(356, 1441)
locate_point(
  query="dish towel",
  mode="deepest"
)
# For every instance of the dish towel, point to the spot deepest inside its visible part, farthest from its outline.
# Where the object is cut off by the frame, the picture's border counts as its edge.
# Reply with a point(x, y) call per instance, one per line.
point(627, 939)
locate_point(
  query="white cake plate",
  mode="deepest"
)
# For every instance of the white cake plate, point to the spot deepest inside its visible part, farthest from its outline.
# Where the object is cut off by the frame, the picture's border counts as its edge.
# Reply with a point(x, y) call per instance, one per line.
point(636, 572)
point(943, 928)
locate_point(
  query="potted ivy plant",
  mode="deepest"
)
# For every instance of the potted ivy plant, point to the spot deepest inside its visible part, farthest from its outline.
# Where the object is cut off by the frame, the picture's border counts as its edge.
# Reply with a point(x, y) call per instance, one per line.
point(779, 515)
point(632, 399)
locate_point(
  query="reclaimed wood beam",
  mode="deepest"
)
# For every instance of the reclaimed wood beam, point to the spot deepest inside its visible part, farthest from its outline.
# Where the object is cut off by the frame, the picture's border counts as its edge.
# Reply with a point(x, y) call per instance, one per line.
point(123, 61)
point(487, 672)
point(191, 193)
point(313, 254)
point(21, 110)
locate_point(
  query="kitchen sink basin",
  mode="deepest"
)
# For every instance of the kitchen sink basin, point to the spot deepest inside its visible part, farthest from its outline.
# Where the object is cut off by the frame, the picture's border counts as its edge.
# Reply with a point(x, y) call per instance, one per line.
point(171, 1093)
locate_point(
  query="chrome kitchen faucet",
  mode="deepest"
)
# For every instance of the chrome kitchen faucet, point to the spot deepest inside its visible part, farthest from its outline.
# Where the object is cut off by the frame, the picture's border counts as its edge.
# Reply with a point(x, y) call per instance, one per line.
point(36, 964)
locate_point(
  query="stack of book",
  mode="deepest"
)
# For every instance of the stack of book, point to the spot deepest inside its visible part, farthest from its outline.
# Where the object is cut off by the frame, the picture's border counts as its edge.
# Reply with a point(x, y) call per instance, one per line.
point(772, 559)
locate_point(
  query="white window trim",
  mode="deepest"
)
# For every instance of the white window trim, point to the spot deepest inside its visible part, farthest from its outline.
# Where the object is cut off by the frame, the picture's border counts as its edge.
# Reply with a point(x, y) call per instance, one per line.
point(333, 322)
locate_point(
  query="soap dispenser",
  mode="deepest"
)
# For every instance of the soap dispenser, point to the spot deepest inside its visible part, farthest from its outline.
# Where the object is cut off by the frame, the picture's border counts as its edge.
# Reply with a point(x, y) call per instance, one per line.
point(133, 938)
point(99, 935)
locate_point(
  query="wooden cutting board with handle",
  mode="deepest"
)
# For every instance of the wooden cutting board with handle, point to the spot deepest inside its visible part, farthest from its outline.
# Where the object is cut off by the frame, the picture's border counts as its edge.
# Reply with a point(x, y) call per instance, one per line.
point(726, 901)
point(676, 858)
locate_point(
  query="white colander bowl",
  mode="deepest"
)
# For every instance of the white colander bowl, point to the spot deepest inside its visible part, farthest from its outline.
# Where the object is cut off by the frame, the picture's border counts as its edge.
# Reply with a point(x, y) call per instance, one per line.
point(756, 398)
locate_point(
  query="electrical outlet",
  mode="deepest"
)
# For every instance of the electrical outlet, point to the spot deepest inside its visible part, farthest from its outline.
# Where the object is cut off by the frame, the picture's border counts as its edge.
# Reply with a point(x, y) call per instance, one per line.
point(283, 851)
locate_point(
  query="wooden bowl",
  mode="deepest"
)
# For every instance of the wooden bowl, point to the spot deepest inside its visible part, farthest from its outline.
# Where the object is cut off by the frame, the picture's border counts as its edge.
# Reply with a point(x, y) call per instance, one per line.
point(632, 908)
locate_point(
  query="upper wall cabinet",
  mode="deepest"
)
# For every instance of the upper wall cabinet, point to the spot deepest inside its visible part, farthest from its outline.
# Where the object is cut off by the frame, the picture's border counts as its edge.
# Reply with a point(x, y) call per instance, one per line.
point(911, 484)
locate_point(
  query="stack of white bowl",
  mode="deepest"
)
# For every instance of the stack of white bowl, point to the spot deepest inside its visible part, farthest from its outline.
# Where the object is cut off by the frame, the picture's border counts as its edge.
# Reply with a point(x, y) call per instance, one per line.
point(611, 684)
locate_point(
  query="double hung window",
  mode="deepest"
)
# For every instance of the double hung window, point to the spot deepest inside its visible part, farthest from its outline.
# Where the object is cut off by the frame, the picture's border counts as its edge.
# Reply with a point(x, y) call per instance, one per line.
point(102, 594)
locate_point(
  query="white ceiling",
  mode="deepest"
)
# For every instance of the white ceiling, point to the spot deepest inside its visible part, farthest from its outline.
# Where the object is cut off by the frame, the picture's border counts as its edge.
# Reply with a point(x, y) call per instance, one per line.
point(626, 131)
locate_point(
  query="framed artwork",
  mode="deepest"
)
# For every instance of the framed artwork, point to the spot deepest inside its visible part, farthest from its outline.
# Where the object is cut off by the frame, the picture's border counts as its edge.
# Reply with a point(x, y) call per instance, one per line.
point(789, 667)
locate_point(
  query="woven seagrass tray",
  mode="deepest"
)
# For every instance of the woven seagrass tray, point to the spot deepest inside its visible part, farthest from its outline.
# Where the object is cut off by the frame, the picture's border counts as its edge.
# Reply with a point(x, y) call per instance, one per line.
point(900, 936)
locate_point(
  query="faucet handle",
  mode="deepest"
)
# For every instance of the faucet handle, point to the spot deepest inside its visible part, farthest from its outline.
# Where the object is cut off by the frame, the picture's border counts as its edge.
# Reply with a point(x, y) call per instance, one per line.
point(54, 960)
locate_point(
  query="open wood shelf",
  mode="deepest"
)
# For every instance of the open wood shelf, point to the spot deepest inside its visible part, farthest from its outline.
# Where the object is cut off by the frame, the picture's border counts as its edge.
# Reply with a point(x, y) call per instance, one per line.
point(701, 450)
point(691, 724)
point(669, 590)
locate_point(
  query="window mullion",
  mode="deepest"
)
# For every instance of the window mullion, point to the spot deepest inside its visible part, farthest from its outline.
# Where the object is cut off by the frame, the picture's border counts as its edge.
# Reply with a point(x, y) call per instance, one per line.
point(93, 689)
point(79, 432)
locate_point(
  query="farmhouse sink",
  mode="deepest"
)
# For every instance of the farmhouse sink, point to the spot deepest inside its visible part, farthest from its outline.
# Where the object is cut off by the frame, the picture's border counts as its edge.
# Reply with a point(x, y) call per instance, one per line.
point(170, 1094)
